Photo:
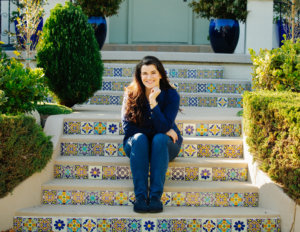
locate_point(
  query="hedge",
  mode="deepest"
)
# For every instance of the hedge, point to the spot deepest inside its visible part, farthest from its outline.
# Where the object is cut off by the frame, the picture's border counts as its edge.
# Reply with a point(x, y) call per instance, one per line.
point(272, 125)
point(24, 150)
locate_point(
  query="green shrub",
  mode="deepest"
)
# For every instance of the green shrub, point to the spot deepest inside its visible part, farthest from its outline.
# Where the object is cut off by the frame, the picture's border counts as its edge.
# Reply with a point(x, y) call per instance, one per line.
point(3, 99)
point(272, 126)
point(277, 69)
point(52, 109)
point(24, 150)
point(23, 87)
point(70, 55)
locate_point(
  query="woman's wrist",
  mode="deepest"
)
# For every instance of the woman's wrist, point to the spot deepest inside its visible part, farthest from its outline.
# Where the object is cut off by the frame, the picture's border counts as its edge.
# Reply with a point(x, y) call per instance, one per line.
point(153, 104)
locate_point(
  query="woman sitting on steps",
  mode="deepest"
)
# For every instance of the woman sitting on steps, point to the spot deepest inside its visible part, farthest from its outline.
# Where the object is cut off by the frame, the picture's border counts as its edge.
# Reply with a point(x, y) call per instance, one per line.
point(152, 138)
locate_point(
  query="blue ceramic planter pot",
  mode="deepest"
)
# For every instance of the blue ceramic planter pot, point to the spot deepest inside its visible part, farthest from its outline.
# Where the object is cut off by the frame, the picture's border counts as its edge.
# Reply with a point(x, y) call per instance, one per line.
point(100, 27)
point(34, 38)
point(224, 35)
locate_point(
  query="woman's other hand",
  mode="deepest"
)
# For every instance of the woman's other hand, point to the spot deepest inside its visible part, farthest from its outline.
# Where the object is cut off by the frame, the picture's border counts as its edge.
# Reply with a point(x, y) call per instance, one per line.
point(173, 135)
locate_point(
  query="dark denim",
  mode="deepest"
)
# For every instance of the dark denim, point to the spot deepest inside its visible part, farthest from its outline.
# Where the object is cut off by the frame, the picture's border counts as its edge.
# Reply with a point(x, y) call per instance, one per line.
point(145, 153)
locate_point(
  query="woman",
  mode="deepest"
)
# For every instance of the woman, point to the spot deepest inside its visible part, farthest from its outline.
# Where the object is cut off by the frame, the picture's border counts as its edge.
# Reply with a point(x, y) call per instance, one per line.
point(152, 138)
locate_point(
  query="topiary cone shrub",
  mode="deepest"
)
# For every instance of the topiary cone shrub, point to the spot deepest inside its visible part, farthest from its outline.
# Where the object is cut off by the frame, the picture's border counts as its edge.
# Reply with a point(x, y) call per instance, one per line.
point(70, 56)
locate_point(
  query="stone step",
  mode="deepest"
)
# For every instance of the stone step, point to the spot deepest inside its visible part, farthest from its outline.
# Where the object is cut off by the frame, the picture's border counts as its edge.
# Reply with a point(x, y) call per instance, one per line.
point(188, 169)
point(187, 85)
point(104, 192)
point(217, 100)
point(119, 70)
point(104, 124)
point(122, 218)
point(111, 146)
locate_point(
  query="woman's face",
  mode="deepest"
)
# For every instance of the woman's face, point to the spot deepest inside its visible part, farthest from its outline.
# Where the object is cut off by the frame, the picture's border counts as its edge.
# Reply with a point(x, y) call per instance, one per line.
point(150, 76)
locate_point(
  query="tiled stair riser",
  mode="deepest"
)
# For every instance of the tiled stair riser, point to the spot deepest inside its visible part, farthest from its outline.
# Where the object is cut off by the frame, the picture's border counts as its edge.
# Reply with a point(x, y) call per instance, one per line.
point(172, 71)
point(206, 87)
point(187, 101)
point(195, 199)
point(186, 129)
point(173, 173)
point(63, 224)
point(187, 150)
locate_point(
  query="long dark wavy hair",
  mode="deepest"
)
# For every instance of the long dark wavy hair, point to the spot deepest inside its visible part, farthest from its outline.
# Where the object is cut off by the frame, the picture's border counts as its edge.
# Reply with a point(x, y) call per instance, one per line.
point(136, 91)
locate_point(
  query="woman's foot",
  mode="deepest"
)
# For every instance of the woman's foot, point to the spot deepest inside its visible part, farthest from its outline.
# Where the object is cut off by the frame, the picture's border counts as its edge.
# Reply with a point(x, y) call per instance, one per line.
point(155, 205)
point(140, 206)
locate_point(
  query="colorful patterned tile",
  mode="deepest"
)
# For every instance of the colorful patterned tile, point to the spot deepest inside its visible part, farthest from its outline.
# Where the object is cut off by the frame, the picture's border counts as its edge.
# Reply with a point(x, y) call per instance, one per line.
point(239, 88)
point(68, 172)
point(201, 129)
point(44, 224)
point(104, 225)
point(184, 101)
point(149, 224)
point(191, 173)
point(100, 128)
point(95, 173)
point(121, 151)
point(193, 225)
point(212, 102)
point(233, 151)
point(73, 127)
point(173, 73)
point(239, 225)
point(109, 173)
point(239, 102)
point(97, 149)
point(224, 225)
point(270, 225)
point(89, 224)
point(112, 128)
point(233, 174)
point(18, 221)
point(189, 129)
point(202, 101)
point(220, 88)
point(69, 148)
point(107, 198)
point(254, 225)
point(30, 224)
point(236, 199)
point(201, 88)
point(78, 197)
point(230, 88)
point(123, 173)
point(64, 197)
point(94, 100)
point(164, 225)
point(121, 130)
point(178, 199)
point(209, 225)
point(232, 103)
point(169, 174)
point(114, 100)
point(192, 73)
point(178, 173)
point(214, 130)
point(107, 85)
point(222, 199)
point(211, 88)
point(81, 171)
point(108, 72)
point(217, 151)
point(59, 225)
point(134, 225)
point(127, 72)
point(190, 150)
point(49, 197)
point(131, 198)
point(121, 198)
point(222, 102)
point(180, 127)
point(182, 73)
point(192, 199)
point(205, 174)
point(74, 224)
point(237, 130)
point(243, 172)
point(166, 198)
point(58, 171)
point(92, 198)
point(203, 150)
point(227, 130)
point(118, 72)
point(250, 199)
point(193, 101)
point(178, 225)
point(87, 128)
point(181, 152)
point(84, 148)
point(219, 174)
point(111, 149)
point(207, 199)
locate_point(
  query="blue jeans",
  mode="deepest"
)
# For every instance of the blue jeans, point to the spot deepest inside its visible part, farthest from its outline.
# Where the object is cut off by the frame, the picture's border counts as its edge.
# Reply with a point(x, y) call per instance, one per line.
point(155, 153)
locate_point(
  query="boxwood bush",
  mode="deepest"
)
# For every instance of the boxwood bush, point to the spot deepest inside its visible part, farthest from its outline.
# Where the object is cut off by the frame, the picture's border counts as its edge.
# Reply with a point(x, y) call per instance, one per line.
point(272, 126)
point(24, 150)
point(70, 55)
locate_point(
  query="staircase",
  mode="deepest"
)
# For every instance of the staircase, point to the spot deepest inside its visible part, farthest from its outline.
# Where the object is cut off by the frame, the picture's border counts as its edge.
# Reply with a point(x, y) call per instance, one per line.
point(207, 187)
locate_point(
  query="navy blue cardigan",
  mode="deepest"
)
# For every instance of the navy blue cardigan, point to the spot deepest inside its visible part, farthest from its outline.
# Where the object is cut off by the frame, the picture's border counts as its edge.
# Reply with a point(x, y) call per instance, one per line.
point(159, 120)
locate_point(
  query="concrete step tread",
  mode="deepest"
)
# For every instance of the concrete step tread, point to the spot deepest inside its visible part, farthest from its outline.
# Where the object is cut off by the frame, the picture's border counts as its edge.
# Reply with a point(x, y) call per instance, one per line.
point(170, 186)
point(126, 211)
point(178, 162)
point(119, 139)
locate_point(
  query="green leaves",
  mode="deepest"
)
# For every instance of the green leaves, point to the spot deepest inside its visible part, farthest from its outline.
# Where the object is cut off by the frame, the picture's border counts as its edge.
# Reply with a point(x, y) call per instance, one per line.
point(277, 69)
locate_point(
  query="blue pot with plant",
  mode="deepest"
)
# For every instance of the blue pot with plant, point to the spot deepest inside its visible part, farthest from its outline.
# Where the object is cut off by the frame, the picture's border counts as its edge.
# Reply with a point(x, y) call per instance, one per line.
point(224, 16)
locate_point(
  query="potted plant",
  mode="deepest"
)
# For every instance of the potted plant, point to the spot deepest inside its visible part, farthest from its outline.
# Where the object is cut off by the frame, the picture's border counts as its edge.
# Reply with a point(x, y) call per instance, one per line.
point(97, 10)
point(224, 26)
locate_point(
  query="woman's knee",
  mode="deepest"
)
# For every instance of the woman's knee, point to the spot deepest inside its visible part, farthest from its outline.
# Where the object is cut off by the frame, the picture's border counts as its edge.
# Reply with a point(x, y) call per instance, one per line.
point(160, 139)
point(139, 138)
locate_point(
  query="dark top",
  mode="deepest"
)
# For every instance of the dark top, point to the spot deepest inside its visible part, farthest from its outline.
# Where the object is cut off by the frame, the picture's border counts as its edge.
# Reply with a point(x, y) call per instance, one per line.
point(158, 120)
